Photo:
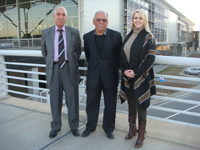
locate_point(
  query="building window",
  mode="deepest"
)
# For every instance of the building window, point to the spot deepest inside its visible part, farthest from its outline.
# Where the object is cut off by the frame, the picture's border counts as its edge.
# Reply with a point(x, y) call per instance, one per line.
point(22, 24)
point(157, 13)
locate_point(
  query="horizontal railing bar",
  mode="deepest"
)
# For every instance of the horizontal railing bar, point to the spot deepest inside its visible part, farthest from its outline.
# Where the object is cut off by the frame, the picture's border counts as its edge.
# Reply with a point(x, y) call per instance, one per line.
point(163, 87)
point(13, 77)
point(26, 94)
point(27, 79)
point(24, 86)
point(22, 71)
point(156, 75)
point(173, 121)
point(35, 65)
point(154, 118)
point(174, 60)
point(82, 86)
point(82, 104)
point(82, 68)
point(176, 100)
point(83, 77)
point(24, 64)
point(177, 88)
point(84, 95)
point(172, 99)
point(178, 77)
point(177, 81)
point(174, 110)
point(32, 53)
point(160, 97)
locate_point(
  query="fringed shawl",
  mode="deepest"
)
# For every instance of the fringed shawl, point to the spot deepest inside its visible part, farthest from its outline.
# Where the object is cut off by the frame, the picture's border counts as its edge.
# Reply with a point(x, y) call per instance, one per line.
point(142, 56)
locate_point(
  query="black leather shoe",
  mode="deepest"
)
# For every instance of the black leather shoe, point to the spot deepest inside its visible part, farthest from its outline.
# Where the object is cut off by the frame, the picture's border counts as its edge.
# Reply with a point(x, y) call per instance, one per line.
point(75, 132)
point(86, 133)
point(110, 135)
point(53, 133)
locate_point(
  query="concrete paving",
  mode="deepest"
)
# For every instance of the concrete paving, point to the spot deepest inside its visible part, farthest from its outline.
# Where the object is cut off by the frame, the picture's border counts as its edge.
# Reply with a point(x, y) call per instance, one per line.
point(25, 125)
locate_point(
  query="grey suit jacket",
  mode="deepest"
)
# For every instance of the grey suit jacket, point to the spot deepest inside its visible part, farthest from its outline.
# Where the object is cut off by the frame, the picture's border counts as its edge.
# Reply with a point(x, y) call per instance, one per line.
point(73, 52)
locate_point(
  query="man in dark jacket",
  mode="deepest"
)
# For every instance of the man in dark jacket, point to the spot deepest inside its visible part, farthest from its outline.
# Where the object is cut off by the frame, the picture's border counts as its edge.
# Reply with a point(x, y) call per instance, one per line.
point(102, 50)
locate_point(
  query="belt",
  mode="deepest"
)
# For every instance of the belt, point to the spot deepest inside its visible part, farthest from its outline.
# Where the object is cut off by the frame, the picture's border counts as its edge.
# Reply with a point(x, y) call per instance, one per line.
point(56, 62)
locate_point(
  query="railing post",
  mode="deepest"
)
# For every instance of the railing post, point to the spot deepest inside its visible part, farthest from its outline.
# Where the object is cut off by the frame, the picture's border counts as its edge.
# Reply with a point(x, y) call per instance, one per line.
point(2, 78)
point(28, 44)
point(34, 84)
point(13, 43)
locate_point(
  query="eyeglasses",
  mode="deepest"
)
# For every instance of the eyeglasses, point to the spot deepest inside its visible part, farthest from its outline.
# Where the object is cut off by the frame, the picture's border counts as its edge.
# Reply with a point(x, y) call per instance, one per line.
point(59, 14)
point(99, 20)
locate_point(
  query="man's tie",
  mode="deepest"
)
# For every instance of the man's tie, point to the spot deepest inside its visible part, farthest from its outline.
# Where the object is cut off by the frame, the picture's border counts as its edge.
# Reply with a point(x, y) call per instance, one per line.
point(61, 50)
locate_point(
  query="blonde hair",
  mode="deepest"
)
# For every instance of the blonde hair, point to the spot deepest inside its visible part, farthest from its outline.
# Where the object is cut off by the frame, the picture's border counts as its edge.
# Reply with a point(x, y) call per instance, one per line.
point(144, 18)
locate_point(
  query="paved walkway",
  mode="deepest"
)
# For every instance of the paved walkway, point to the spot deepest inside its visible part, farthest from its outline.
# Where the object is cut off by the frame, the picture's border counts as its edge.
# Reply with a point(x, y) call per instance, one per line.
point(25, 125)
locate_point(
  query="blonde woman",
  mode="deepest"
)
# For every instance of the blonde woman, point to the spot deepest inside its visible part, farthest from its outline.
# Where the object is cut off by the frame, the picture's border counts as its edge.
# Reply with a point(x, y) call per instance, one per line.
point(137, 83)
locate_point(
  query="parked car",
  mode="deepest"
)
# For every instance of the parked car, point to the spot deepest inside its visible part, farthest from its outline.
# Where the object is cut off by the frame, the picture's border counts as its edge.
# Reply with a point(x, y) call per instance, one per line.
point(192, 70)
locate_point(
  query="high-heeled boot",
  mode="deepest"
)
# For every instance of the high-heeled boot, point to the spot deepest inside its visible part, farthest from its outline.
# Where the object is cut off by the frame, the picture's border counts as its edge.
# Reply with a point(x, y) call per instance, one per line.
point(141, 132)
point(132, 127)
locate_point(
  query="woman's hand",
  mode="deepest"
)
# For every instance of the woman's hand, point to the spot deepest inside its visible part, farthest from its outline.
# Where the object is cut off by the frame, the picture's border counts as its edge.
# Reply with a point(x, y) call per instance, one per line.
point(129, 73)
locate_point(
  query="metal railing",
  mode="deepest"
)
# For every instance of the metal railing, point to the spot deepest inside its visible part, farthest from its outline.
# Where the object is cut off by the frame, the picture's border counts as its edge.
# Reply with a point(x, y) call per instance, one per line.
point(38, 93)
point(25, 43)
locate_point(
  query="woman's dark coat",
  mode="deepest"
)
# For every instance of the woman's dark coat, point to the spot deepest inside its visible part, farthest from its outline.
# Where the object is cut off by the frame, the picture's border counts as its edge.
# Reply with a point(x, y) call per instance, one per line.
point(142, 56)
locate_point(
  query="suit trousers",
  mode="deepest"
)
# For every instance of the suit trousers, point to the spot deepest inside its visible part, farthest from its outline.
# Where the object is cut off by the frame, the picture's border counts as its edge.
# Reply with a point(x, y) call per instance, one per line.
point(93, 105)
point(61, 82)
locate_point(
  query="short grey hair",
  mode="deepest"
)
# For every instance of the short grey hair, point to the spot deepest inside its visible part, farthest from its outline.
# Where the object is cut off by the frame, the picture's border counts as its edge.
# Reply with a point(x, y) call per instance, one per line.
point(99, 12)
point(60, 7)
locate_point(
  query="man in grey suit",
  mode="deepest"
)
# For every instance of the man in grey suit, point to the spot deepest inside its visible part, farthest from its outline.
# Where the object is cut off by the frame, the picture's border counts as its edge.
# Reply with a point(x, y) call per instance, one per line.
point(61, 48)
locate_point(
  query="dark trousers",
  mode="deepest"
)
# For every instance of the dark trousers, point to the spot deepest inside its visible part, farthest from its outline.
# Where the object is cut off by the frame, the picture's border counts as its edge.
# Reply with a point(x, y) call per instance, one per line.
point(93, 105)
point(61, 82)
point(134, 107)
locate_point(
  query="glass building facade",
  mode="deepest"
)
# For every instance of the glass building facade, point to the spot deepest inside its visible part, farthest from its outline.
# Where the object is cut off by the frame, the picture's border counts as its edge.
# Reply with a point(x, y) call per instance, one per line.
point(157, 13)
point(22, 21)
point(185, 31)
